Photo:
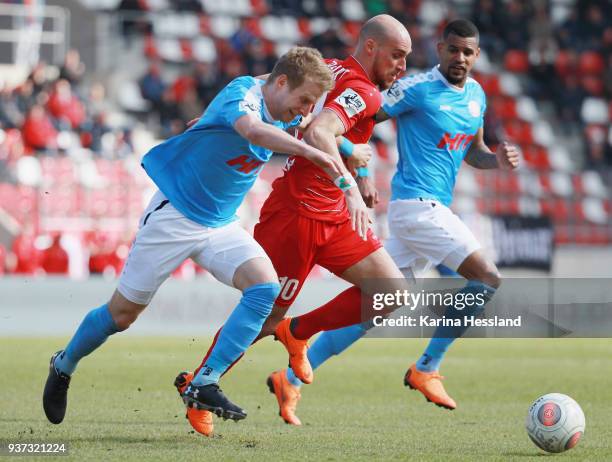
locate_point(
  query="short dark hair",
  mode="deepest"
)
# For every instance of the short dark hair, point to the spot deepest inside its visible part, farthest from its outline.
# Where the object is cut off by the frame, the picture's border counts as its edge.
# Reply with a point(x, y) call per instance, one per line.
point(461, 28)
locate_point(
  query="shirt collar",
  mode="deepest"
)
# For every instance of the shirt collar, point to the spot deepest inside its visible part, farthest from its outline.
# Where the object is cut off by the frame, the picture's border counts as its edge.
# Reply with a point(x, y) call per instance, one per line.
point(436, 71)
point(359, 64)
point(266, 113)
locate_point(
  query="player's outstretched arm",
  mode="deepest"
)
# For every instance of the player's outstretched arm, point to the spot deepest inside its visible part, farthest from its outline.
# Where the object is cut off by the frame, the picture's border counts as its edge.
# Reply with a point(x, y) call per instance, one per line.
point(480, 156)
point(275, 139)
point(322, 133)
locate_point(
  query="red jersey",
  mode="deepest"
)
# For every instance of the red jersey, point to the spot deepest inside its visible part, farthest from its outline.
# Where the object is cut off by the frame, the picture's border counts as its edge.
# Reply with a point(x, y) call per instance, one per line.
point(306, 187)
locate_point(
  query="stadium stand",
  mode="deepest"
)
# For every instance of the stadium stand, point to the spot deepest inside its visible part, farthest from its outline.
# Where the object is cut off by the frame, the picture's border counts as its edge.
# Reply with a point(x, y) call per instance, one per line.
point(69, 151)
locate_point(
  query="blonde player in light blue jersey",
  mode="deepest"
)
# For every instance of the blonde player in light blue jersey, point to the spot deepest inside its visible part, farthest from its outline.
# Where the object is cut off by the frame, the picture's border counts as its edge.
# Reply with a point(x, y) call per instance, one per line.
point(439, 117)
point(203, 176)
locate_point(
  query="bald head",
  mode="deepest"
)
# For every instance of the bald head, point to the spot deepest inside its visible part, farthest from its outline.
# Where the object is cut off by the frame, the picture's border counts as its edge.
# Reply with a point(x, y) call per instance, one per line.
point(381, 29)
point(383, 46)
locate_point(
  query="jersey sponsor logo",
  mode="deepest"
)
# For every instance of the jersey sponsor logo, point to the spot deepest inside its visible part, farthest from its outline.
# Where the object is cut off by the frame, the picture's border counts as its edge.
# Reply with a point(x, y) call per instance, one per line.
point(456, 142)
point(245, 164)
point(474, 108)
point(351, 102)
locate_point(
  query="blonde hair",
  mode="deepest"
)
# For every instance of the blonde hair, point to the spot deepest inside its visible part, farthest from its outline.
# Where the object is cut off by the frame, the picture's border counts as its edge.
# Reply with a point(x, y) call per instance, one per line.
point(300, 64)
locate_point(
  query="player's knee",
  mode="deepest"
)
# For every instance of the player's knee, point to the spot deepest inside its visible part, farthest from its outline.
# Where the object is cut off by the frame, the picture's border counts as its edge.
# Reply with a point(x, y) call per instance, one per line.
point(261, 297)
point(492, 278)
point(124, 315)
point(124, 319)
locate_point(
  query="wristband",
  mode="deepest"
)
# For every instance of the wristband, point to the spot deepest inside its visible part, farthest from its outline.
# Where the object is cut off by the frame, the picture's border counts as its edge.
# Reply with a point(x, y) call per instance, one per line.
point(344, 183)
point(363, 172)
point(346, 147)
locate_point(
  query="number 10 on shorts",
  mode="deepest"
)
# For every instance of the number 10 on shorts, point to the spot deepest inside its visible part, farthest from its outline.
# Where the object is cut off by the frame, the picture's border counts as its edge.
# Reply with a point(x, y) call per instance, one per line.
point(288, 287)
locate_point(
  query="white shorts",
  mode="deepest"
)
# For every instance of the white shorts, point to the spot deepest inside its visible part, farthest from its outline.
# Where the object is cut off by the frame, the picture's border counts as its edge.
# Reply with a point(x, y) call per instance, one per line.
point(166, 238)
point(425, 232)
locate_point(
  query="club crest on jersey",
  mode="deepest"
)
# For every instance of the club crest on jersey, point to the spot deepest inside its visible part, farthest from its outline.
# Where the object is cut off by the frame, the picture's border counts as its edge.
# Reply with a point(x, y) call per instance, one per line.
point(352, 103)
point(474, 108)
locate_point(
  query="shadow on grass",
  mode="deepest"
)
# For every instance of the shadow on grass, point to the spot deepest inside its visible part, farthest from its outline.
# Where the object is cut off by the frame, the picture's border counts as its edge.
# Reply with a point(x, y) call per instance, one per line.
point(528, 454)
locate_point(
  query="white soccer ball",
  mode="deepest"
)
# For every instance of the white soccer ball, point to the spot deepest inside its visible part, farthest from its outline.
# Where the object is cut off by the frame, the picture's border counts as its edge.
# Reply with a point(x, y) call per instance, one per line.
point(555, 422)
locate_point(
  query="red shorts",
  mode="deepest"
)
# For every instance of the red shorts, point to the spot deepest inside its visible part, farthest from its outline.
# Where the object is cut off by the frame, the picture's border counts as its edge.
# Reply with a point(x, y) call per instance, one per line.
point(296, 243)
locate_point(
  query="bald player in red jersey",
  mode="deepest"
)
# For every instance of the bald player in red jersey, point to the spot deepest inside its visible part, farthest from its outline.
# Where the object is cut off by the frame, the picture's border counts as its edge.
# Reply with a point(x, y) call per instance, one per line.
point(305, 221)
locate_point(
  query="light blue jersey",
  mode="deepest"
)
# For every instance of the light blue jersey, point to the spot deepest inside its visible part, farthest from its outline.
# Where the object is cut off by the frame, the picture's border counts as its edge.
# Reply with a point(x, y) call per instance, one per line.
point(206, 171)
point(436, 125)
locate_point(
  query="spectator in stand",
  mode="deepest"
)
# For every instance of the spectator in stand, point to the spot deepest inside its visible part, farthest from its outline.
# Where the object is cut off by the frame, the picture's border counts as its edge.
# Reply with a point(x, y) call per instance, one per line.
point(257, 60)
point(38, 131)
point(424, 54)
point(329, 44)
point(514, 32)
point(405, 11)
point(205, 77)
point(104, 257)
point(569, 32)
point(65, 106)
point(190, 107)
point(596, 140)
point(152, 86)
point(181, 87)
point(169, 116)
point(569, 99)
point(93, 131)
point(54, 259)
point(232, 68)
point(25, 97)
point(10, 115)
point(486, 16)
point(542, 53)
point(330, 8)
point(593, 25)
point(73, 68)
point(38, 77)
point(25, 255)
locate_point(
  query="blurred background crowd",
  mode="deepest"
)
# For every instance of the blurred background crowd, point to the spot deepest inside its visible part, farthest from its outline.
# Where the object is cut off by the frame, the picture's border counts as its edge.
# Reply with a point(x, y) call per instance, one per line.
point(74, 123)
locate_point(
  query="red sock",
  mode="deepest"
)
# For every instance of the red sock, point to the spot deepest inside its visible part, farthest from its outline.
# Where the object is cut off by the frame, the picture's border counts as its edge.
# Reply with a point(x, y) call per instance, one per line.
point(342, 311)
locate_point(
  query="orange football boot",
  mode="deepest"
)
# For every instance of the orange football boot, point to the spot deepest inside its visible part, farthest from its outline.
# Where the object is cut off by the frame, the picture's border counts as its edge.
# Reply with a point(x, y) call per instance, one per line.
point(200, 420)
point(297, 349)
point(430, 384)
point(287, 396)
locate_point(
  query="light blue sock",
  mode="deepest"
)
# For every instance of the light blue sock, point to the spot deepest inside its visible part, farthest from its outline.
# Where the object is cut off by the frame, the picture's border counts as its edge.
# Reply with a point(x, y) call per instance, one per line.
point(444, 336)
point(95, 328)
point(329, 343)
point(239, 332)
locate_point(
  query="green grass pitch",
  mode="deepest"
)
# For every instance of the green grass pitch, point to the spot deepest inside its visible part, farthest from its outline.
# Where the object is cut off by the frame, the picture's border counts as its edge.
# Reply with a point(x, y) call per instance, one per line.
point(122, 405)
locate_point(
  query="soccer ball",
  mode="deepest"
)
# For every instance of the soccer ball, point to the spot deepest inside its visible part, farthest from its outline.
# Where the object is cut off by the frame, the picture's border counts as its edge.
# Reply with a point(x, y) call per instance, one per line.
point(555, 422)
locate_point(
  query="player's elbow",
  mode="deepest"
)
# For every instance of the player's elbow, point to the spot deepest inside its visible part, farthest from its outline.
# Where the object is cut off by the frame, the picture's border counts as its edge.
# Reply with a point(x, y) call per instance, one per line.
point(317, 132)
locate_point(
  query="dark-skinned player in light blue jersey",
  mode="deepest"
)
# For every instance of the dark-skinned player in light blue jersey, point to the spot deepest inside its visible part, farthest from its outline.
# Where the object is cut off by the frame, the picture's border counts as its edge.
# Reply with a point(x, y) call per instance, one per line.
point(439, 117)
point(203, 176)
